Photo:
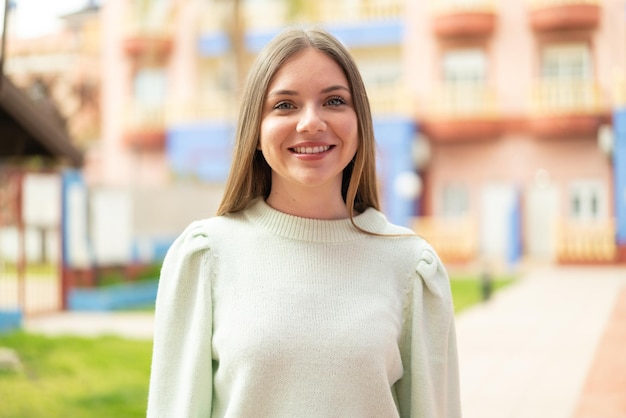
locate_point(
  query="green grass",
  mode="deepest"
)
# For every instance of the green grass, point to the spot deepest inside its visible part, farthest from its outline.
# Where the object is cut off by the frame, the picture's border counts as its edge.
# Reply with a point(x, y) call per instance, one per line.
point(108, 377)
point(466, 290)
point(75, 377)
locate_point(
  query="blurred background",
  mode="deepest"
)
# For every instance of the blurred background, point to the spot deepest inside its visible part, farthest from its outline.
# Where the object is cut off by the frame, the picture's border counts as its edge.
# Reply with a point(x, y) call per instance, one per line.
point(500, 125)
point(501, 135)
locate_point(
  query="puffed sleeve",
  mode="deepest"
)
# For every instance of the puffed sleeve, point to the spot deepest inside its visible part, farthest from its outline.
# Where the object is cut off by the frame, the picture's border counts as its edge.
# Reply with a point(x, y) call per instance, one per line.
point(181, 380)
point(429, 387)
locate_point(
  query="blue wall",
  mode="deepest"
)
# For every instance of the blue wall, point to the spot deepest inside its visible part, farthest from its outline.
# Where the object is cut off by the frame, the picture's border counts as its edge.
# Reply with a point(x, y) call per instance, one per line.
point(201, 150)
point(619, 167)
point(514, 249)
point(353, 35)
point(394, 139)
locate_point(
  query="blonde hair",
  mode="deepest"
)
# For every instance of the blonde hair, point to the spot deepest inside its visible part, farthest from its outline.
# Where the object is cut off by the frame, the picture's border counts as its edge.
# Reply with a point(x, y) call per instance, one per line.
point(250, 175)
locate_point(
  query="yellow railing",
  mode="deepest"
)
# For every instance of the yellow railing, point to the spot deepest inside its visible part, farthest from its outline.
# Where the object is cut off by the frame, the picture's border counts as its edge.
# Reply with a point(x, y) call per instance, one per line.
point(147, 21)
point(395, 99)
point(454, 239)
point(549, 3)
point(346, 11)
point(276, 13)
point(586, 242)
point(455, 6)
point(461, 100)
point(566, 96)
point(141, 116)
point(267, 14)
point(214, 106)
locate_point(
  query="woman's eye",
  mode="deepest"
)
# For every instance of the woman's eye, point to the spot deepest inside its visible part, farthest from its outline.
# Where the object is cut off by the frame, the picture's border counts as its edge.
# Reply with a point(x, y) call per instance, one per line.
point(336, 101)
point(283, 106)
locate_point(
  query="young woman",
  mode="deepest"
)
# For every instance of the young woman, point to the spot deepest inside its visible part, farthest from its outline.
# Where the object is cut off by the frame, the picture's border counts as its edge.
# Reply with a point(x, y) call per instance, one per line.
point(300, 299)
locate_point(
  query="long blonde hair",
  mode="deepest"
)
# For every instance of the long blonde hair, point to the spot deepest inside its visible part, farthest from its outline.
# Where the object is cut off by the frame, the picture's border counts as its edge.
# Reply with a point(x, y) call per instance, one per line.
point(250, 175)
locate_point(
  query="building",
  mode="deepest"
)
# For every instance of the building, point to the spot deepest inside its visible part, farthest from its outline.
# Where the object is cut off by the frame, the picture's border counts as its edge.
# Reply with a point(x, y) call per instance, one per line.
point(500, 124)
point(518, 100)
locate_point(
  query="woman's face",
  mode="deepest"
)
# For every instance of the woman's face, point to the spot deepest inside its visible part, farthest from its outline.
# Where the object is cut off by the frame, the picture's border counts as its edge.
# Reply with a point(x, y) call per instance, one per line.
point(309, 129)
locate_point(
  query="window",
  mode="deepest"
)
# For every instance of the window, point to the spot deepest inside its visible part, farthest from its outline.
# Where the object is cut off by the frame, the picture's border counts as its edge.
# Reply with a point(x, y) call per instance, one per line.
point(380, 69)
point(566, 71)
point(464, 74)
point(587, 200)
point(455, 200)
point(464, 66)
point(149, 86)
point(567, 61)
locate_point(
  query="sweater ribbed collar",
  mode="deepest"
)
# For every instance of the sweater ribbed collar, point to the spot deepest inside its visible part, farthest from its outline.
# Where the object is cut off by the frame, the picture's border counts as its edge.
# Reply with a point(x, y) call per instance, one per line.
point(313, 230)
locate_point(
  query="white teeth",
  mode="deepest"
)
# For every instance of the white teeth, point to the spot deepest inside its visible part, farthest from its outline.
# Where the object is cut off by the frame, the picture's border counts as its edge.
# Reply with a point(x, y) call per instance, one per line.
point(311, 150)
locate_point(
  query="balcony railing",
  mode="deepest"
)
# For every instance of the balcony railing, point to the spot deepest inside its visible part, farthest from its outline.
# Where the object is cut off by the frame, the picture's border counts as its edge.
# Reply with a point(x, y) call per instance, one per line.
point(462, 112)
point(144, 126)
point(391, 100)
point(566, 96)
point(565, 109)
point(586, 242)
point(223, 106)
point(212, 106)
point(463, 100)
point(364, 10)
point(147, 32)
point(277, 13)
point(455, 240)
point(453, 6)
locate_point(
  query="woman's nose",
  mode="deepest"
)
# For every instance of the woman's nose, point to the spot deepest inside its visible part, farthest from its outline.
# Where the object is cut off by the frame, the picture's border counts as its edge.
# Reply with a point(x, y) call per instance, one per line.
point(310, 120)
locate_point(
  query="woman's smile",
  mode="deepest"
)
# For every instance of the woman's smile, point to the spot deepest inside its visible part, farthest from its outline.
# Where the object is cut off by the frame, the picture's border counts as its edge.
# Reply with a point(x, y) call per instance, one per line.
point(311, 150)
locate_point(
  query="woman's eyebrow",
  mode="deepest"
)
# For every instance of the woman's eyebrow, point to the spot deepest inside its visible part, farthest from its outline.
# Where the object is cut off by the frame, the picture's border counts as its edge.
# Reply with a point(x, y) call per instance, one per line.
point(285, 92)
point(335, 88)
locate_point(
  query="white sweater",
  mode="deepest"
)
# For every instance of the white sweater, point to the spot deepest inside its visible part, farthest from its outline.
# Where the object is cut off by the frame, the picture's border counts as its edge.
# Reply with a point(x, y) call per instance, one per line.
point(261, 314)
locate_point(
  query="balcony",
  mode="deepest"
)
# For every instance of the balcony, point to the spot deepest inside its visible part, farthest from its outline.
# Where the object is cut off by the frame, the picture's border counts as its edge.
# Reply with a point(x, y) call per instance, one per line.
point(147, 35)
point(591, 242)
point(273, 14)
point(332, 11)
point(462, 112)
point(456, 239)
point(391, 100)
point(555, 15)
point(458, 19)
point(213, 106)
point(565, 109)
point(144, 127)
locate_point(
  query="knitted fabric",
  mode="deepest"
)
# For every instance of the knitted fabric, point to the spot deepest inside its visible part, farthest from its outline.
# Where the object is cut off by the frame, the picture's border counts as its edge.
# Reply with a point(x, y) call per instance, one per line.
point(263, 314)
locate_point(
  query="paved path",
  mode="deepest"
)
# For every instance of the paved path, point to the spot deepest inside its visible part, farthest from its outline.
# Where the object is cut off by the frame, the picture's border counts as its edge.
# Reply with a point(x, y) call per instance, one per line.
point(528, 353)
point(604, 393)
point(135, 325)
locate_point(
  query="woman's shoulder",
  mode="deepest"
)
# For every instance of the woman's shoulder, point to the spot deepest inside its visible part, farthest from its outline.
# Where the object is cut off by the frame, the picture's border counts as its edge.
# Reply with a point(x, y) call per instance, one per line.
point(415, 249)
point(210, 227)
point(203, 233)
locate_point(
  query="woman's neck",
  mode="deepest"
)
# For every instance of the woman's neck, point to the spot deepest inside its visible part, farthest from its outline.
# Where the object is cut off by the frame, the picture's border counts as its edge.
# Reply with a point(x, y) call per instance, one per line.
point(305, 203)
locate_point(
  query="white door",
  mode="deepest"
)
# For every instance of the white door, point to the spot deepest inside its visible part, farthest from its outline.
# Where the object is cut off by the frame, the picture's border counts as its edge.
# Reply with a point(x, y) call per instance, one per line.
point(498, 204)
point(541, 210)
